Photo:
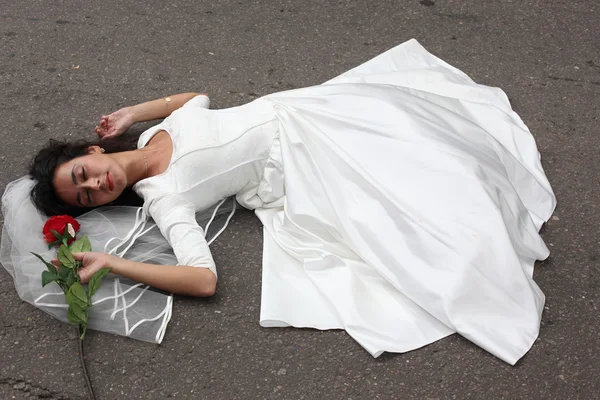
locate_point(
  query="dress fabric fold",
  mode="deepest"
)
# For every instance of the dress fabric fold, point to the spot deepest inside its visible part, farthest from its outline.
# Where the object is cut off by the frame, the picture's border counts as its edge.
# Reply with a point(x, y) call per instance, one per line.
point(413, 201)
point(401, 202)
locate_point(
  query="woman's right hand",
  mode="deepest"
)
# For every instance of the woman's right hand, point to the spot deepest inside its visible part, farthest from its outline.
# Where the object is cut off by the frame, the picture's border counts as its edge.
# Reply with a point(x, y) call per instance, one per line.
point(92, 262)
point(115, 124)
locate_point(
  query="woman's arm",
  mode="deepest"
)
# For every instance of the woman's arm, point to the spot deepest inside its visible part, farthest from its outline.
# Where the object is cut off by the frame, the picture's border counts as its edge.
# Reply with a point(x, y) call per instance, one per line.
point(184, 280)
point(115, 124)
point(160, 108)
point(175, 216)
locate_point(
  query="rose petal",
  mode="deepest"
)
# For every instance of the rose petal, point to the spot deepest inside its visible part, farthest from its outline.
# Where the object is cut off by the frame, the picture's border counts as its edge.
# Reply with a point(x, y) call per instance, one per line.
point(71, 230)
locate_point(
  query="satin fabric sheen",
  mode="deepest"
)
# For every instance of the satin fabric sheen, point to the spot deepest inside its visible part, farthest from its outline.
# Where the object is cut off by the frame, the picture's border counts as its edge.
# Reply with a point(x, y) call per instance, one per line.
point(413, 200)
point(401, 201)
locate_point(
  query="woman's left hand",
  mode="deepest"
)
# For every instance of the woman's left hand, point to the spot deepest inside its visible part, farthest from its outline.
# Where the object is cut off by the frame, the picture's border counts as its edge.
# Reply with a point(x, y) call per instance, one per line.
point(93, 262)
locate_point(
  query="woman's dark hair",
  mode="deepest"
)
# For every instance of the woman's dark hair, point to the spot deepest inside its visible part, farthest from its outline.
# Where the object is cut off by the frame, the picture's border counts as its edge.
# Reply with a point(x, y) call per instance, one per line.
point(57, 152)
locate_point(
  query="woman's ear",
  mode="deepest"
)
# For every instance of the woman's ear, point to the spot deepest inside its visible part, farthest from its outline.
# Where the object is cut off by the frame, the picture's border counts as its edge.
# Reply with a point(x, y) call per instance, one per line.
point(94, 150)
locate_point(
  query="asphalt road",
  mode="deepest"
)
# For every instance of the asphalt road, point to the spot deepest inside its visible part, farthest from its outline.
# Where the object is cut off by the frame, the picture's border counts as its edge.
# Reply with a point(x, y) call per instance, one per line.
point(64, 63)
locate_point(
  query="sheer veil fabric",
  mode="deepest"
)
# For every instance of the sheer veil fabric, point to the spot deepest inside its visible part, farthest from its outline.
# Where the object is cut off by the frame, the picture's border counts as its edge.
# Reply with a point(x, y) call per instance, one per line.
point(401, 201)
point(120, 306)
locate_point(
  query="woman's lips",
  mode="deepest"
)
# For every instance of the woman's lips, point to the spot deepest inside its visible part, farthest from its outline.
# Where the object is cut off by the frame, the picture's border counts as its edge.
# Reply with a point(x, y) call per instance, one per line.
point(109, 181)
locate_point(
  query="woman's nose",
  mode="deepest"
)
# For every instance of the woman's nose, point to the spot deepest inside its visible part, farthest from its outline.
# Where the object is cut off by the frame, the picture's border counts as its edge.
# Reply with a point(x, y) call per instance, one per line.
point(93, 183)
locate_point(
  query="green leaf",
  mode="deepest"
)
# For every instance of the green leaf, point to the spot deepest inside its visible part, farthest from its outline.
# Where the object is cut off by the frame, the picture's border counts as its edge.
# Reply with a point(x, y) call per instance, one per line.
point(76, 315)
point(55, 243)
point(72, 277)
point(50, 266)
point(48, 277)
point(83, 331)
point(77, 296)
point(72, 318)
point(96, 280)
point(82, 245)
point(57, 235)
point(87, 246)
point(66, 257)
point(63, 273)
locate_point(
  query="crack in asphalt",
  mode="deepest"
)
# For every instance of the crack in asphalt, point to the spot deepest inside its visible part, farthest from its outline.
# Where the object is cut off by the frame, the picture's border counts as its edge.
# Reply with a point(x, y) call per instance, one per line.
point(38, 391)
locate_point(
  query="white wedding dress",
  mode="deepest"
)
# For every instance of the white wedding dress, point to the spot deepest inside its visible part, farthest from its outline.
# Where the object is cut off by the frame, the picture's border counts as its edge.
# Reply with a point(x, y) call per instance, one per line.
point(401, 202)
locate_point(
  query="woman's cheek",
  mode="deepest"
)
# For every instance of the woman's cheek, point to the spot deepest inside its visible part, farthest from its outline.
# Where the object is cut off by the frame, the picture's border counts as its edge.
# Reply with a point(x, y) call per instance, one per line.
point(104, 199)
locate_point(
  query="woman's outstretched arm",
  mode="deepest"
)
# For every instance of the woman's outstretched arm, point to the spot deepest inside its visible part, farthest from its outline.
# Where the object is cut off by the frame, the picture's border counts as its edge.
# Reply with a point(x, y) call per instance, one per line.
point(196, 275)
point(160, 108)
point(118, 122)
point(184, 280)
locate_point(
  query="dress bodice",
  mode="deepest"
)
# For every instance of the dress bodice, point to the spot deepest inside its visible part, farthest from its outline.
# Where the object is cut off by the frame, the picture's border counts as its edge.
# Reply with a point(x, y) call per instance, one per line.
point(409, 209)
point(216, 153)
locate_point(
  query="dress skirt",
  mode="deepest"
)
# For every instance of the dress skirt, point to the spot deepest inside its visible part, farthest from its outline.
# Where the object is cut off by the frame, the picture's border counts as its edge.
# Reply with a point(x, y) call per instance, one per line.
point(402, 202)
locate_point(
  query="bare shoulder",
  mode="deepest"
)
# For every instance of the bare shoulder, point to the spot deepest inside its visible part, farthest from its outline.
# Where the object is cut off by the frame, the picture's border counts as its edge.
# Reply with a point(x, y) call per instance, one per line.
point(161, 145)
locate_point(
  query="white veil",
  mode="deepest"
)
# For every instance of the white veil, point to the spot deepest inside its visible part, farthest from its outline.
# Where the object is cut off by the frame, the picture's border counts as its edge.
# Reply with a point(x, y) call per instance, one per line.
point(120, 306)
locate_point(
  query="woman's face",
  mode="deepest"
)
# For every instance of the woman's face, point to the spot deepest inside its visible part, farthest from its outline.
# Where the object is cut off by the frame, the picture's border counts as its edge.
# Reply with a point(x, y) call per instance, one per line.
point(91, 180)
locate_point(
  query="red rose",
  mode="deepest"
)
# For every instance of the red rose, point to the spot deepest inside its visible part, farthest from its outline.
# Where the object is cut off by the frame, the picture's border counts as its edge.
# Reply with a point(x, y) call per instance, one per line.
point(59, 224)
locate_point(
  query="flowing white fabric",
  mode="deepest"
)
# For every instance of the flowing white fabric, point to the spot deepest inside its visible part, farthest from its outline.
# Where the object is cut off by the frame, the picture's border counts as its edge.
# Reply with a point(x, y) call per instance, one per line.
point(120, 306)
point(413, 202)
point(401, 201)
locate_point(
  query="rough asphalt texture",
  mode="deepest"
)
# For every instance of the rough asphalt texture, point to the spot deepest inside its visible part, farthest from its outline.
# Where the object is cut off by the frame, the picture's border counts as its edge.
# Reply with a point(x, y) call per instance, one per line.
point(64, 63)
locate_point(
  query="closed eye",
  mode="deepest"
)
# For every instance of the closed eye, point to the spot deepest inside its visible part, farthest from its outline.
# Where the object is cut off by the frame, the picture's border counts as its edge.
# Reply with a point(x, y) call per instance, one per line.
point(83, 178)
point(87, 191)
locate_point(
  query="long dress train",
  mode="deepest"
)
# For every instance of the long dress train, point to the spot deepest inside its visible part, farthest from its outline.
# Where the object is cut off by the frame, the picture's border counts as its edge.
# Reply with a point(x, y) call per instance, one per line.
point(413, 200)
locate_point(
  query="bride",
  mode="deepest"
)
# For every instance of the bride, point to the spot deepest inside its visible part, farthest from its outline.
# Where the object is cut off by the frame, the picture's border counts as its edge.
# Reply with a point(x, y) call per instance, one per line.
point(401, 201)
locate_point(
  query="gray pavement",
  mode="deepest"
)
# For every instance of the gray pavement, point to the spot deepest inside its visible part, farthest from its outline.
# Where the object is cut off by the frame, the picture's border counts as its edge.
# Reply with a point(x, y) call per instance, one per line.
point(63, 63)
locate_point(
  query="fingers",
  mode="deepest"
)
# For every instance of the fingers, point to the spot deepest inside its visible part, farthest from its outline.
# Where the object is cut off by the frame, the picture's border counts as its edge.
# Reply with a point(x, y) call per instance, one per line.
point(84, 271)
point(100, 129)
point(84, 276)
point(103, 127)
point(110, 135)
point(104, 134)
point(107, 128)
point(112, 132)
point(56, 263)
point(104, 122)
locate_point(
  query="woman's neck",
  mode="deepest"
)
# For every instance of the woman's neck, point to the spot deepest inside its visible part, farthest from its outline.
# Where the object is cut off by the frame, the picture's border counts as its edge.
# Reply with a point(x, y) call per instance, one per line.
point(151, 160)
point(138, 164)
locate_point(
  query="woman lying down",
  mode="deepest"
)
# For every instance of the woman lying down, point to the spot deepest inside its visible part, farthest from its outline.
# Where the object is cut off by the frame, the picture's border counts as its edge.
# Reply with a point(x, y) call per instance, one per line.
point(401, 201)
